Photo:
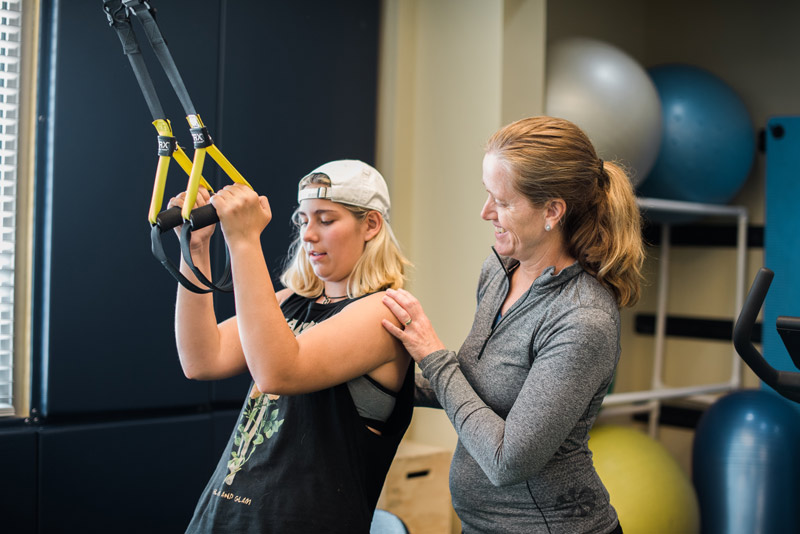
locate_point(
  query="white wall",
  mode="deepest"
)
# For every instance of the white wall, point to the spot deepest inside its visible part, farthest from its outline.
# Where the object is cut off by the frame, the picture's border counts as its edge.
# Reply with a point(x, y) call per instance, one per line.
point(452, 73)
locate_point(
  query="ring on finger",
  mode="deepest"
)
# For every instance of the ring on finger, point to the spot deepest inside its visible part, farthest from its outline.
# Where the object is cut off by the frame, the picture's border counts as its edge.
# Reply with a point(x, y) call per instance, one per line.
point(408, 322)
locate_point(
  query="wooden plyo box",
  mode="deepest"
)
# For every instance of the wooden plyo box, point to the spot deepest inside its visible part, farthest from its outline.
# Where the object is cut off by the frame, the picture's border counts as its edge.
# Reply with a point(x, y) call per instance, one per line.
point(416, 488)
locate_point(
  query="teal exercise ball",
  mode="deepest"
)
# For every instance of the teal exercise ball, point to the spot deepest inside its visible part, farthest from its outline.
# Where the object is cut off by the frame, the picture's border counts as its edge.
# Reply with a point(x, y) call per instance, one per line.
point(745, 465)
point(606, 93)
point(708, 142)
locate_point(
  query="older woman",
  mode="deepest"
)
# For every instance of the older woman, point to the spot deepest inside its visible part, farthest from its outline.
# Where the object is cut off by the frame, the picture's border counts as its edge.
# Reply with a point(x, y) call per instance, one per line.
point(527, 384)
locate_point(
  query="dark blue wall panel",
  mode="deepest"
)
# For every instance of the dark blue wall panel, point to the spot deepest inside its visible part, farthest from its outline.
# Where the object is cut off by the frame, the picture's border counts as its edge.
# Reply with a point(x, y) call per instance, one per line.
point(223, 423)
point(299, 88)
point(109, 337)
point(283, 87)
point(18, 477)
point(133, 476)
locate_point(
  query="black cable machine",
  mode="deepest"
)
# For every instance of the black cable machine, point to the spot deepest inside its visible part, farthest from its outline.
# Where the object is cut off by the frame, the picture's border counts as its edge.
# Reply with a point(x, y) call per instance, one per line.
point(787, 383)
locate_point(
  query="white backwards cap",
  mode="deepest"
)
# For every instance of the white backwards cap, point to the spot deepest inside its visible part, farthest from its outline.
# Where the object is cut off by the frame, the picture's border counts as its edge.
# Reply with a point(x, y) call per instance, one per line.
point(353, 182)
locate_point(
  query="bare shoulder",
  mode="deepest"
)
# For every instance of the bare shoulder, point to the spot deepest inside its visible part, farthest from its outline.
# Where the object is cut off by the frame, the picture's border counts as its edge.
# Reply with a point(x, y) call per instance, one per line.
point(356, 339)
point(392, 371)
point(371, 308)
point(282, 295)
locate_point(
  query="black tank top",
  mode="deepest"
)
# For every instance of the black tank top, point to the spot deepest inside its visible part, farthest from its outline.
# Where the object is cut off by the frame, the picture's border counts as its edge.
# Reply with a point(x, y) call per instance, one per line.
point(302, 463)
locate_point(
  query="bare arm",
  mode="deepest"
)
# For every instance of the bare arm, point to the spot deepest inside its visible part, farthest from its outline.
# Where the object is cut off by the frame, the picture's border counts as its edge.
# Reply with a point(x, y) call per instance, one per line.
point(199, 339)
point(207, 351)
point(350, 344)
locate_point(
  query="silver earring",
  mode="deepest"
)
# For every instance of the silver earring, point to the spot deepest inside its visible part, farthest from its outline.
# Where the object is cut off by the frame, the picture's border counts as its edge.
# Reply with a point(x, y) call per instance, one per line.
point(547, 228)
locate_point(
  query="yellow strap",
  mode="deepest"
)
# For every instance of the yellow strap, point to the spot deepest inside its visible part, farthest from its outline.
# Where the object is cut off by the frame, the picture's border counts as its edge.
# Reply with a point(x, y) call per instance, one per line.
point(197, 167)
point(226, 166)
point(194, 182)
point(164, 128)
point(158, 188)
point(186, 164)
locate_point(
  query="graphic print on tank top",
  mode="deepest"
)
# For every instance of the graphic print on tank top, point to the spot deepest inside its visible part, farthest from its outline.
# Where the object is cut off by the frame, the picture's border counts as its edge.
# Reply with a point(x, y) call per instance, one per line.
point(259, 421)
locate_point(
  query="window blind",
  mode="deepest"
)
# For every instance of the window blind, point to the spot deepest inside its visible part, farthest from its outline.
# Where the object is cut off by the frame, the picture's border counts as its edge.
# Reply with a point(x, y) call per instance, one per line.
point(10, 28)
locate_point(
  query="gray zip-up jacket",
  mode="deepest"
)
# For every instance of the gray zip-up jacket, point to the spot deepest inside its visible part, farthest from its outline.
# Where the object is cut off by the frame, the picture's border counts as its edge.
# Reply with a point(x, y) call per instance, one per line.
point(522, 394)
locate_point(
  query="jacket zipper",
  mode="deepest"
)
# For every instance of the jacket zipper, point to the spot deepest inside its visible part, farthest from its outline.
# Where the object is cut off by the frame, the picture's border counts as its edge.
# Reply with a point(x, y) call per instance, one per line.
point(496, 324)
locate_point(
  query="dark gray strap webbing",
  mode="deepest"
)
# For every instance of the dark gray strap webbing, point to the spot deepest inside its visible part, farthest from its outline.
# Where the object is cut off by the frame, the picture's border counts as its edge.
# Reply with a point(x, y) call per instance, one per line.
point(119, 20)
point(225, 283)
point(144, 13)
point(157, 248)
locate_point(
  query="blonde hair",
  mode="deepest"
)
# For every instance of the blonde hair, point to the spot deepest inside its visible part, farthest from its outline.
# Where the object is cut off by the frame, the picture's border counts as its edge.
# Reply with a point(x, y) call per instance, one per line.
point(381, 265)
point(552, 158)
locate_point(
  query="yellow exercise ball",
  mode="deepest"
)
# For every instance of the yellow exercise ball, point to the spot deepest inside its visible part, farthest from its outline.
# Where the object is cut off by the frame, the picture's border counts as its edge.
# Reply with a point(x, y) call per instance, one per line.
point(649, 490)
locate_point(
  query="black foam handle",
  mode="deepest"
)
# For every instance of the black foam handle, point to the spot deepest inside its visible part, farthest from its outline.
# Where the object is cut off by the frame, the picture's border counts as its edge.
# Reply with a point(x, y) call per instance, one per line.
point(169, 219)
point(203, 216)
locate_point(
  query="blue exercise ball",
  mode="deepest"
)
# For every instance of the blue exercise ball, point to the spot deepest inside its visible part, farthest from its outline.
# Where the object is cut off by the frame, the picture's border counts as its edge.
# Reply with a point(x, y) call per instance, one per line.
point(708, 141)
point(745, 465)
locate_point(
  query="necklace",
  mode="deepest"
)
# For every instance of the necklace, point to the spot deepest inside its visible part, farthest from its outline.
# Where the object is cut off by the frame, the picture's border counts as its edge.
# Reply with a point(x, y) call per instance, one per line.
point(327, 300)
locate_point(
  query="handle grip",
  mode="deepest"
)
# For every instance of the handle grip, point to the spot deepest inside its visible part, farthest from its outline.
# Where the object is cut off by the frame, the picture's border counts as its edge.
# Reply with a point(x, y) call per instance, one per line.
point(199, 218)
point(203, 216)
point(169, 218)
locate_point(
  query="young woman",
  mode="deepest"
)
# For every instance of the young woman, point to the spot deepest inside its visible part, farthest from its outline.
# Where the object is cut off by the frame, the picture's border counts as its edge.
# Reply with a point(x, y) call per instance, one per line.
point(332, 390)
point(527, 384)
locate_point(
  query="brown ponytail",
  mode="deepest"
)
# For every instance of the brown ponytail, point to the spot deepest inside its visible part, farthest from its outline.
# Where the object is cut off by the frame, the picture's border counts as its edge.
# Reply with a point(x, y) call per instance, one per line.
point(552, 158)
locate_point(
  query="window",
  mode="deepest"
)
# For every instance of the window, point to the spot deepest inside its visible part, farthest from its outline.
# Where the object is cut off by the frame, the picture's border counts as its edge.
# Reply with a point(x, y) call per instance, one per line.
point(10, 66)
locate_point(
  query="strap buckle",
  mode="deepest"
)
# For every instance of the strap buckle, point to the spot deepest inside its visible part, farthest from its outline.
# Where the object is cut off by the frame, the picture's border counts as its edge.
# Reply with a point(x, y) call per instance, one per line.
point(116, 13)
point(314, 192)
point(133, 4)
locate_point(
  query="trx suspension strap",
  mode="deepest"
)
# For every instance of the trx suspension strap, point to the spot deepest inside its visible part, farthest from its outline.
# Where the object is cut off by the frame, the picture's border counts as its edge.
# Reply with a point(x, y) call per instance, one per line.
point(118, 13)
